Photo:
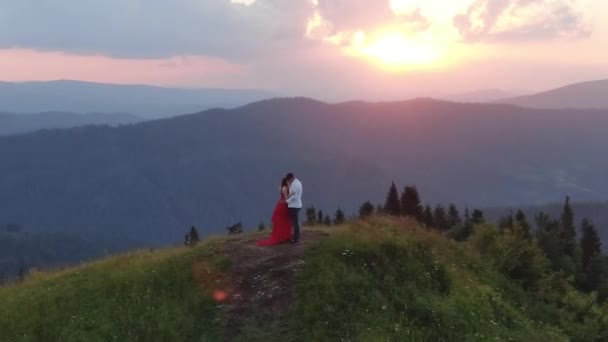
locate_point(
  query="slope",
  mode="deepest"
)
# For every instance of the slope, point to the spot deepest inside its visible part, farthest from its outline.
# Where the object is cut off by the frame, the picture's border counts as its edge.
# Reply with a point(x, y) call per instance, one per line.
point(382, 279)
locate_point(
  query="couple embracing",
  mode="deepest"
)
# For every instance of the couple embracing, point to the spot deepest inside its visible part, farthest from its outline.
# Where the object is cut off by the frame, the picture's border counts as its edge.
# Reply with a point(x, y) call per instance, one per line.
point(286, 213)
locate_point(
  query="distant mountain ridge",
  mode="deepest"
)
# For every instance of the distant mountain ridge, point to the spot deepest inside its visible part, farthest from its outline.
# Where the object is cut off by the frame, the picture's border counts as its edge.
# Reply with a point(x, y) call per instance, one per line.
point(484, 95)
point(142, 100)
point(592, 94)
point(11, 123)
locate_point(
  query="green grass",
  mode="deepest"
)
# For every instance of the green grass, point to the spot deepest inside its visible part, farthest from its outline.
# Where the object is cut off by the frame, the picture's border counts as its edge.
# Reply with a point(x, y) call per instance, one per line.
point(145, 296)
point(382, 282)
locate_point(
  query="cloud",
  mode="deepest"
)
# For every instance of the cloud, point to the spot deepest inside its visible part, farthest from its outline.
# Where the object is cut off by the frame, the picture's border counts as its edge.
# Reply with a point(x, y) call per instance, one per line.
point(520, 20)
point(151, 28)
point(245, 30)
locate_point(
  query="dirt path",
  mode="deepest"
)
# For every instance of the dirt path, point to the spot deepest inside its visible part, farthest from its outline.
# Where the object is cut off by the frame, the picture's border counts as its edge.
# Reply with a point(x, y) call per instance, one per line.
point(263, 280)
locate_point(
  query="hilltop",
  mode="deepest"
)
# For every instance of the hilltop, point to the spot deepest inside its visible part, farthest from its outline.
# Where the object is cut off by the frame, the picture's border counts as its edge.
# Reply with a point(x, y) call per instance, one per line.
point(378, 279)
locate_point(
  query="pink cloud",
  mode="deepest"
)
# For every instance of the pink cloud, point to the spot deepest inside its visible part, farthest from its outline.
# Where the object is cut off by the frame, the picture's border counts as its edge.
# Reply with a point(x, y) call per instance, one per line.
point(26, 65)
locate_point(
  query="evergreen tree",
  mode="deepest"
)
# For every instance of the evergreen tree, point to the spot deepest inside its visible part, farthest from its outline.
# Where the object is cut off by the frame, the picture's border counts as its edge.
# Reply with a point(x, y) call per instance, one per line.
point(548, 239)
point(392, 206)
point(194, 238)
point(440, 218)
point(568, 230)
point(261, 226)
point(311, 216)
point(366, 210)
point(477, 217)
point(590, 244)
point(467, 227)
point(320, 217)
point(22, 273)
point(506, 222)
point(411, 205)
point(543, 221)
point(340, 218)
point(454, 219)
point(522, 221)
point(327, 220)
point(596, 277)
point(428, 216)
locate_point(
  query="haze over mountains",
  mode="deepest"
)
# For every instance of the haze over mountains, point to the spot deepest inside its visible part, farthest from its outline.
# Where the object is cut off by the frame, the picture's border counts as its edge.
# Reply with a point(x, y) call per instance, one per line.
point(11, 123)
point(151, 181)
point(140, 100)
point(592, 94)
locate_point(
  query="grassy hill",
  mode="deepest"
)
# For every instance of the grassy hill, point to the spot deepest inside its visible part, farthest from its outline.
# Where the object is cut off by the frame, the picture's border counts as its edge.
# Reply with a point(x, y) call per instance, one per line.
point(376, 280)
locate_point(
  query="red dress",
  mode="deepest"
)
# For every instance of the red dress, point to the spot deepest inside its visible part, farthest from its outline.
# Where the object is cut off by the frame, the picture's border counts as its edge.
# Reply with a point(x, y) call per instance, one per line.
point(281, 225)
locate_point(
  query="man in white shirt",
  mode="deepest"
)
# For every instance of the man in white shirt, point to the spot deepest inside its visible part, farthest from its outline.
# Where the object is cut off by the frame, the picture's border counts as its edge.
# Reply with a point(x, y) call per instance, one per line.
point(294, 203)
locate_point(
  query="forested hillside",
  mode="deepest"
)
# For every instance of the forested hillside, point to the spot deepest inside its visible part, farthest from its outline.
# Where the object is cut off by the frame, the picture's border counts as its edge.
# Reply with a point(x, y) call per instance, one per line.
point(151, 181)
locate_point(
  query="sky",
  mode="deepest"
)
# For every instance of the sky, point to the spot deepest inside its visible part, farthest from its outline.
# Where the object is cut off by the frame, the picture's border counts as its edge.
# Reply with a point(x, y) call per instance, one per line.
point(328, 49)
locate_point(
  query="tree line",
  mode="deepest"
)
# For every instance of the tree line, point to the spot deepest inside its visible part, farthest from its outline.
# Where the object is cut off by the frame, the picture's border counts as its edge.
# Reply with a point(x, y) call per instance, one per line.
point(579, 259)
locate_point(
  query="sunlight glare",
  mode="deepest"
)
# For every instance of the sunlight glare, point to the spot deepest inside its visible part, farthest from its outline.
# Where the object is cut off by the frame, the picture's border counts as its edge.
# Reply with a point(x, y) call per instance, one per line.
point(393, 51)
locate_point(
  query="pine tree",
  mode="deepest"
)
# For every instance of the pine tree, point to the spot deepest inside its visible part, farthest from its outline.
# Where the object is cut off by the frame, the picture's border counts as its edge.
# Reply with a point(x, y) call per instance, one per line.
point(22, 273)
point(311, 216)
point(506, 222)
point(590, 244)
point(548, 239)
point(467, 227)
point(320, 217)
point(596, 277)
point(522, 221)
point(454, 219)
point(411, 205)
point(194, 238)
point(568, 230)
point(477, 217)
point(340, 218)
point(392, 206)
point(327, 220)
point(427, 215)
point(261, 226)
point(366, 210)
point(440, 218)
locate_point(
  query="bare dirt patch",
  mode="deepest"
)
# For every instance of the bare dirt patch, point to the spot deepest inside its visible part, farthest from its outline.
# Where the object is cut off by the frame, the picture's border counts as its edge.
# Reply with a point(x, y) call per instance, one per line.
point(263, 282)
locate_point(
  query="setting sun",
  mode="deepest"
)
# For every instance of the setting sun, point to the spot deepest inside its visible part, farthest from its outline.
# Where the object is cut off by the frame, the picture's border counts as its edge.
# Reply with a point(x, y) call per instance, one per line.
point(394, 51)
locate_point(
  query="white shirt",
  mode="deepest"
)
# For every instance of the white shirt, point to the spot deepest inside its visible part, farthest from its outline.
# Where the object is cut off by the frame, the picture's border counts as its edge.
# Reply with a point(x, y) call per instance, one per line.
point(295, 194)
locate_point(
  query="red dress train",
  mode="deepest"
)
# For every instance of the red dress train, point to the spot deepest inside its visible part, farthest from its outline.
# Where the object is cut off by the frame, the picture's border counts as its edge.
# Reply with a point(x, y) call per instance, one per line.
point(281, 225)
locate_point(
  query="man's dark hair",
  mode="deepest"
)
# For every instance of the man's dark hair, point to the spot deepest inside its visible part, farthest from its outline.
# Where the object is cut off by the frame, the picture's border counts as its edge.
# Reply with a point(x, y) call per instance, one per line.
point(290, 176)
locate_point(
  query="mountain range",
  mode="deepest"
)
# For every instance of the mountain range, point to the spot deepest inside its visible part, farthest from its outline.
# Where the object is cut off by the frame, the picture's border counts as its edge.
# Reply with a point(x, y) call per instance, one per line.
point(141, 100)
point(151, 181)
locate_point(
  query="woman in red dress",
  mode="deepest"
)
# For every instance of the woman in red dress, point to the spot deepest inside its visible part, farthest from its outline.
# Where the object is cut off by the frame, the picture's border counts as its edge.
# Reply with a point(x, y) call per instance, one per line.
point(281, 223)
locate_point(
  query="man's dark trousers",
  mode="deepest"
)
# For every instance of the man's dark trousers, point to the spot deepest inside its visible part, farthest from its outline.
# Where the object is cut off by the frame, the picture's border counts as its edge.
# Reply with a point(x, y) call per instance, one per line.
point(294, 213)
